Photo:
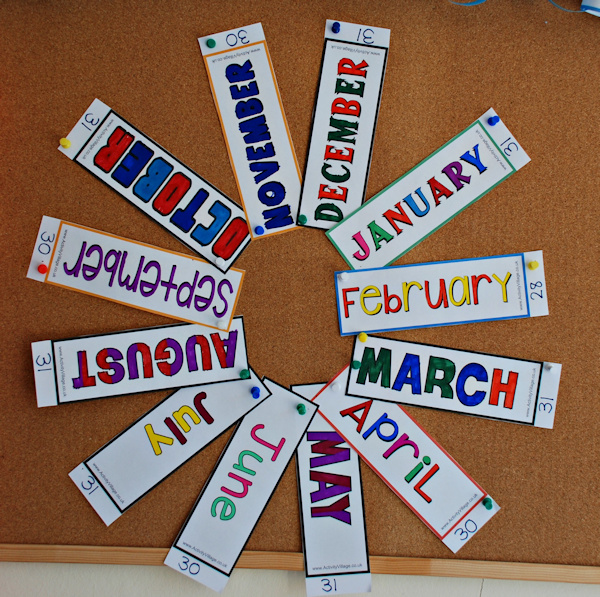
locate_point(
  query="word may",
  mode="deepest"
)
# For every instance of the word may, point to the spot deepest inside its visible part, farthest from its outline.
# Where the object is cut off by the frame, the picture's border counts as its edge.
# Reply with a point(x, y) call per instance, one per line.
point(409, 374)
point(378, 233)
point(330, 484)
point(228, 509)
point(401, 442)
point(113, 263)
point(179, 415)
point(254, 127)
point(168, 355)
point(392, 303)
point(343, 131)
point(149, 186)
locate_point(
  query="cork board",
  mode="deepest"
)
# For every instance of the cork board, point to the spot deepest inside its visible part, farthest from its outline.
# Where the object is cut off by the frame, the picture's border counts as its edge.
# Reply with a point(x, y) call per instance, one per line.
point(537, 66)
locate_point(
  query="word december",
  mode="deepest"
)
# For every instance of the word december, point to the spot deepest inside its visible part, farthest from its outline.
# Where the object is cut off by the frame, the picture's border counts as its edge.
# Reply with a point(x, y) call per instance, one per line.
point(113, 262)
point(390, 218)
point(168, 355)
point(378, 369)
point(383, 424)
point(330, 484)
point(392, 303)
point(343, 132)
point(254, 127)
point(230, 232)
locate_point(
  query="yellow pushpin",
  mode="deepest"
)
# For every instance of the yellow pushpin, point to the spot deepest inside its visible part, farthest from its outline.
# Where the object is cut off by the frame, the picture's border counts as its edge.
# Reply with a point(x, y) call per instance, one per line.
point(533, 265)
point(64, 142)
point(362, 337)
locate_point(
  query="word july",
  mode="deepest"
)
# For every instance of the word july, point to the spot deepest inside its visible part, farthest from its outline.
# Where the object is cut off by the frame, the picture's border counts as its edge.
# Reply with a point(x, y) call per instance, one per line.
point(147, 176)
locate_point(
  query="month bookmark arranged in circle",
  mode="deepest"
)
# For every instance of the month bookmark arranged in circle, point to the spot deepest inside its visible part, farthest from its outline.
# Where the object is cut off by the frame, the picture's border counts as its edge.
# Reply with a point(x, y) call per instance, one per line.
point(441, 293)
point(344, 121)
point(258, 138)
point(411, 208)
point(334, 533)
point(136, 361)
point(135, 274)
point(150, 178)
point(233, 499)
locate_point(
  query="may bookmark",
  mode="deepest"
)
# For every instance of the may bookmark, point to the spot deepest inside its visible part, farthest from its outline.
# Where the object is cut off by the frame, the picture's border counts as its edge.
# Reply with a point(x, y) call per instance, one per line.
point(344, 121)
point(410, 209)
point(233, 499)
point(149, 177)
point(334, 535)
point(411, 463)
point(258, 139)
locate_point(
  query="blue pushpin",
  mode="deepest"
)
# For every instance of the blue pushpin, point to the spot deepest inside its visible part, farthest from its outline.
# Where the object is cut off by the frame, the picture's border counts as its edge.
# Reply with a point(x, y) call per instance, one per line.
point(336, 27)
point(493, 120)
point(255, 391)
point(259, 230)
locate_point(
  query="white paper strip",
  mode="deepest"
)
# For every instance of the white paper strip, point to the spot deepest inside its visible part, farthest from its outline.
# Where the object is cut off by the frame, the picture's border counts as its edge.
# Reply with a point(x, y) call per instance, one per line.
point(146, 175)
point(134, 274)
point(136, 361)
point(336, 557)
point(471, 383)
point(134, 462)
point(258, 139)
point(213, 537)
point(344, 121)
point(459, 173)
point(411, 463)
point(441, 293)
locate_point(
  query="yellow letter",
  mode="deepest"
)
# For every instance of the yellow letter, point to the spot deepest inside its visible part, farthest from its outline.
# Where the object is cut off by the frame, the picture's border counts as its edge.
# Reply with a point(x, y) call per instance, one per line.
point(406, 286)
point(156, 439)
point(503, 283)
point(374, 293)
point(465, 295)
point(186, 410)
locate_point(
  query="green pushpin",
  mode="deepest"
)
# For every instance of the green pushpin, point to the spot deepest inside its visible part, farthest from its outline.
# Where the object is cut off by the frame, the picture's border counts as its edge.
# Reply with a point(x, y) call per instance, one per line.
point(301, 409)
point(244, 374)
point(355, 365)
point(487, 502)
point(211, 43)
point(302, 219)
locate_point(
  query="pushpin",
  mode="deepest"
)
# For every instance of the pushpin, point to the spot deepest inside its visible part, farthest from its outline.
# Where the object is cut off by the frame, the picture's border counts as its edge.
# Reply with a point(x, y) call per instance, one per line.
point(355, 365)
point(336, 27)
point(336, 387)
point(302, 219)
point(42, 268)
point(255, 391)
point(548, 366)
point(259, 230)
point(362, 337)
point(487, 502)
point(211, 43)
point(220, 262)
point(301, 409)
point(244, 374)
point(64, 142)
point(344, 276)
point(222, 324)
point(493, 120)
point(533, 265)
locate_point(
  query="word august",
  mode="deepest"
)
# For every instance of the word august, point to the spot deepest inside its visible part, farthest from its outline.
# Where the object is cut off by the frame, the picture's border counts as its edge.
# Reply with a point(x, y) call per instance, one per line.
point(383, 230)
point(344, 122)
point(255, 131)
point(94, 261)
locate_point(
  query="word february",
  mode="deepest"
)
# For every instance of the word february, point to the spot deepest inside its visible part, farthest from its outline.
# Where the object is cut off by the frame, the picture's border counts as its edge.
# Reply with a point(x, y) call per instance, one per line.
point(143, 173)
point(428, 196)
point(344, 122)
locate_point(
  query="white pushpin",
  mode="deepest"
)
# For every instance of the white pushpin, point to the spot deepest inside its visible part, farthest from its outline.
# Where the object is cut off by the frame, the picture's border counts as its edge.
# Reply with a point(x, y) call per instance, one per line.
point(221, 324)
point(336, 387)
point(344, 276)
point(548, 366)
point(220, 262)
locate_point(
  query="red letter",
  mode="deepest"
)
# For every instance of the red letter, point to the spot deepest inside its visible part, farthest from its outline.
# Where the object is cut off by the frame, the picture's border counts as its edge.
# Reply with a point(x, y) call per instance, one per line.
point(326, 192)
point(349, 412)
point(331, 153)
point(347, 67)
point(342, 106)
point(171, 195)
point(508, 388)
point(109, 155)
point(345, 299)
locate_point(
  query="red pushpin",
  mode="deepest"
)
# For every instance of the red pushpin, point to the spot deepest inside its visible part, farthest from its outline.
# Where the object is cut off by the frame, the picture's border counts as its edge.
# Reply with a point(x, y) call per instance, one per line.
point(43, 268)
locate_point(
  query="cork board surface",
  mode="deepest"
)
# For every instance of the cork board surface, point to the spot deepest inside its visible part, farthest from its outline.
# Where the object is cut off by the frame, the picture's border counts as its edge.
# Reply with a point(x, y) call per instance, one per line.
point(537, 66)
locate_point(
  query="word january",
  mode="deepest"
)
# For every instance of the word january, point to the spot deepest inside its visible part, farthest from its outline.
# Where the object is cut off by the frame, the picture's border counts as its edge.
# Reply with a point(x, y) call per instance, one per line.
point(382, 230)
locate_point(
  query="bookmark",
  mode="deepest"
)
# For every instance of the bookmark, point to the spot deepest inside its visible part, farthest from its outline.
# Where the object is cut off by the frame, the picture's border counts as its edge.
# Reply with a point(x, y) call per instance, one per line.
point(136, 361)
point(152, 448)
point(441, 293)
point(470, 383)
point(142, 172)
point(135, 274)
point(233, 499)
point(258, 139)
point(410, 462)
point(344, 121)
point(410, 209)
point(334, 534)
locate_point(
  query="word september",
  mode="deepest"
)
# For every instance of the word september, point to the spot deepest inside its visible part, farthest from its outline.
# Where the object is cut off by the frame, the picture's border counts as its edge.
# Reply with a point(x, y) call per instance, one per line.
point(143, 173)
